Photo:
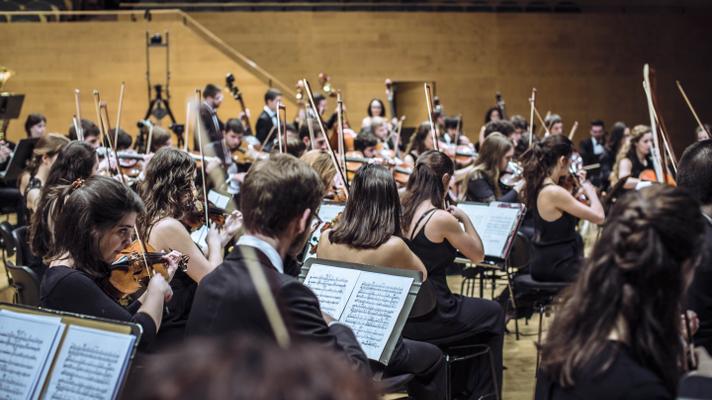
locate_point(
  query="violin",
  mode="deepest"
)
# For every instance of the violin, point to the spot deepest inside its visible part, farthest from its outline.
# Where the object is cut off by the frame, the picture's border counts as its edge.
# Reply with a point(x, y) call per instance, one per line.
point(512, 175)
point(129, 272)
point(195, 217)
point(650, 175)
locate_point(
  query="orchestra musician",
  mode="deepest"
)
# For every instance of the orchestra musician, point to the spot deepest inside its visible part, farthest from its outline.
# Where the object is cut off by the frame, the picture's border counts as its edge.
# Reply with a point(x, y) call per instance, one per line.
point(224, 149)
point(694, 174)
point(79, 272)
point(171, 207)
point(90, 131)
point(492, 114)
point(483, 183)
point(365, 144)
point(635, 157)
point(160, 138)
point(267, 121)
point(518, 136)
point(369, 232)
point(434, 233)
point(420, 142)
point(554, 124)
point(212, 98)
point(557, 248)
point(619, 135)
point(280, 197)
point(305, 136)
point(37, 171)
point(35, 125)
point(593, 149)
point(376, 108)
point(617, 332)
point(77, 160)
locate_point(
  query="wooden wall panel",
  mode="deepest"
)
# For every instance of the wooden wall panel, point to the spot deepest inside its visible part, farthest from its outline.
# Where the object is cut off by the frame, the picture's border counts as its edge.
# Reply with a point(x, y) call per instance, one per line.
point(50, 60)
point(584, 66)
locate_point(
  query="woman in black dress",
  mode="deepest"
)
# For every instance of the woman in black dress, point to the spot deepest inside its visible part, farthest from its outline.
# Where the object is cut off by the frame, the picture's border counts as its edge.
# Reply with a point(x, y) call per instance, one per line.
point(435, 236)
point(557, 248)
point(634, 157)
point(483, 183)
point(617, 334)
point(95, 222)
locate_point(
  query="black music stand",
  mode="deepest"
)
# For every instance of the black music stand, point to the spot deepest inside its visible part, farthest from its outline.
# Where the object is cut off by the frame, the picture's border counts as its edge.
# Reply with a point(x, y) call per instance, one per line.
point(10, 107)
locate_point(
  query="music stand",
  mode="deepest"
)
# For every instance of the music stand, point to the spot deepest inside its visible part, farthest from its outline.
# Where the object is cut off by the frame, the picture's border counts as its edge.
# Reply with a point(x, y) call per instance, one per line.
point(18, 159)
point(10, 107)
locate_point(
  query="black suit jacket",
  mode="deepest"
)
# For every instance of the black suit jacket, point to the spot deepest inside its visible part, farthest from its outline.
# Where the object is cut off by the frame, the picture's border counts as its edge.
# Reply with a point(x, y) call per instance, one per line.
point(263, 127)
point(586, 151)
point(226, 302)
point(213, 131)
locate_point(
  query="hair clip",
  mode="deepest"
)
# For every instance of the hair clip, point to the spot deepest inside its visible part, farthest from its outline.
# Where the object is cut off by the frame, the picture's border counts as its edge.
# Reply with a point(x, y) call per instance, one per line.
point(79, 182)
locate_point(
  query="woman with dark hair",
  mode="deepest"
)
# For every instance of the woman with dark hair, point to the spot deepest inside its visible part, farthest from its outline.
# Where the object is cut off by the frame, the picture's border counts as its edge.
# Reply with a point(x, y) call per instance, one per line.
point(169, 193)
point(35, 125)
point(80, 258)
point(615, 140)
point(369, 233)
point(376, 108)
point(420, 142)
point(617, 332)
point(37, 170)
point(435, 235)
point(492, 114)
point(77, 160)
point(483, 182)
point(557, 248)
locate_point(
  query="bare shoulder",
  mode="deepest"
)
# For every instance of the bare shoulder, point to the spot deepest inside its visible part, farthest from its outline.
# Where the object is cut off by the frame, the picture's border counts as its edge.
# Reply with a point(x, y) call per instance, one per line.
point(443, 218)
point(168, 226)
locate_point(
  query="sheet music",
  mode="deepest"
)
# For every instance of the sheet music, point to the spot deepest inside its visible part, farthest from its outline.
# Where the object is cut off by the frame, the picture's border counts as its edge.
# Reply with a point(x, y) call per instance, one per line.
point(333, 287)
point(373, 309)
point(28, 344)
point(493, 224)
point(90, 365)
point(327, 213)
point(199, 236)
point(219, 199)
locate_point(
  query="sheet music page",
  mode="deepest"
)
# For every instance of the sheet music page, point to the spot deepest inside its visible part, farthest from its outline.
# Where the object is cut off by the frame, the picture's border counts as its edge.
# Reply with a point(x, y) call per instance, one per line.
point(199, 236)
point(493, 224)
point(90, 364)
point(327, 213)
point(28, 344)
point(219, 199)
point(333, 287)
point(373, 309)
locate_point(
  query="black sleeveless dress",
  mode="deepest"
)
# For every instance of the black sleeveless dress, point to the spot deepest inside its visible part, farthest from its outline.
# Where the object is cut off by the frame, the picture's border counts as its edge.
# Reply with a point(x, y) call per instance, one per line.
point(557, 249)
point(456, 319)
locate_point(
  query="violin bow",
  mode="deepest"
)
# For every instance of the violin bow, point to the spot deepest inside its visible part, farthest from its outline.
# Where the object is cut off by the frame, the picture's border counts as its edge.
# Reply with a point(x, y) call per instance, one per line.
point(532, 101)
point(282, 110)
point(199, 133)
point(112, 147)
point(279, 132)
point(658, 163)
point(340, 129)
point(541, 120)
point(669, 153)
point(97, 106)
point(429, 103)
point(692, 109)
point(188, 106)
point(118, 113)
point(573, 130)
point(78, 126)
point(80, 134)
point(310, 97)
point(399, 127)
point(150, 139)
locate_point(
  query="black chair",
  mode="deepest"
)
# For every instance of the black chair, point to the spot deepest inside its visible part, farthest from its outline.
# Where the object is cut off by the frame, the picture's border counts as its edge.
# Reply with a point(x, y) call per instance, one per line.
point(545, 293)
point(9, 245)
point(518, 260)
point(26, 284)
point(392, 384)
point(23, 254)
point(694, 387)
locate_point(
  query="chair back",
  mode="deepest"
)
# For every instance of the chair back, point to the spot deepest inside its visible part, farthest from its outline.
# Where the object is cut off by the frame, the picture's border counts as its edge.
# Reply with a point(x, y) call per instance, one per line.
point(694, 387)
point(9, 246)
point(22, 251)
point(26, 284)
point(519, 254)
point(425, 301)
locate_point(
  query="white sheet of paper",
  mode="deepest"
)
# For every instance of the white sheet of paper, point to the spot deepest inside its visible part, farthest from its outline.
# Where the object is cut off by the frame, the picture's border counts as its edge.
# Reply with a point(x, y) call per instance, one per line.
point(90, 364)
point(493, 224)
point(28, 344)
point(199, 235)
point(219, 199)
point(333, 287)
point(327, 213)
point(373, 309)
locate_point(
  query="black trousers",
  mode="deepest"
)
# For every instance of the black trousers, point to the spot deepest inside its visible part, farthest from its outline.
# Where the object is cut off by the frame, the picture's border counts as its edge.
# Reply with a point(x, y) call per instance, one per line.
point(426, 362)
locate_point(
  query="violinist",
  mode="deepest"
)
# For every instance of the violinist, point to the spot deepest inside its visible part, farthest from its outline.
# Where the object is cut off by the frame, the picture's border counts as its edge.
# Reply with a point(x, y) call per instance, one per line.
point(554, 124)
point(492, 114)
point(448, 135)
point(420, 142)
point(79, 275)
point(37, 170)
point(321, 162)
point(160, 138)
point(518, 136)
point(212, 99)
point(365, 145)
point(376, 108)
point(614, 143)
point(369, 232)
point(123, 140)
point(305, 136)
point(379, 127)
point(635, 157)
point(90, 131)
point(267, 121)
point(35, 125)
point(557, 248)
point(435, 232)
point(483, 183)
point(170, 196)
point(295, 146)
point(77, 160)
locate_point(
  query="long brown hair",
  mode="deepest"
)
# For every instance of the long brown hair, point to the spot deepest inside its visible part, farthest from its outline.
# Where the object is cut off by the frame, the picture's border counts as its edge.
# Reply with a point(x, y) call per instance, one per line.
point(372, 214)
point(634, 280)
point(539, 161)
point(495, 146)
point(48, 145)
point(627, 149)
point(417, 140)
point(168, 190)
point(426, 183)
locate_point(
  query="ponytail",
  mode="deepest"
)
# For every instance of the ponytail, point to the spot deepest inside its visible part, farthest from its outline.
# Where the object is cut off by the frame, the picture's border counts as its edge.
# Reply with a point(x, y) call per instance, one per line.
point(426, 183)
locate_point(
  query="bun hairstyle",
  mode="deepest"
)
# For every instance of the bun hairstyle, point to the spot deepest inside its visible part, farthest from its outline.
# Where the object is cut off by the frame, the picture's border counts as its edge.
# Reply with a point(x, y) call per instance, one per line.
point(633, 284)
point(426, 183)
point(86, 209)
point(539, 161)
point(48, 145)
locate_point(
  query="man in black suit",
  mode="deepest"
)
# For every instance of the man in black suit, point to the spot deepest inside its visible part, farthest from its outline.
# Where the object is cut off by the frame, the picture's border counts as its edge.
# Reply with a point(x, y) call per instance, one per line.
point(694, 175)
point(279, 197)
point(593, 149)
point(267, 121)
point(212, 98)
